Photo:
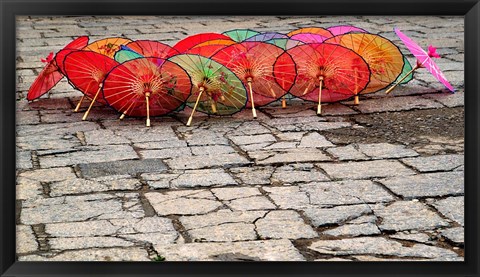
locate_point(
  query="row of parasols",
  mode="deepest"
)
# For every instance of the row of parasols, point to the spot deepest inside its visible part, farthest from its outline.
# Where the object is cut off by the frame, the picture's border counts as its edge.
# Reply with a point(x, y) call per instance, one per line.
point(223, 73)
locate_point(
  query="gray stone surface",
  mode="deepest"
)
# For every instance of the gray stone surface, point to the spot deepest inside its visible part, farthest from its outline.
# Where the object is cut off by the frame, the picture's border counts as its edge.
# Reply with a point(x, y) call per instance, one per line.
point(386, 150)
point(435, 163)
point(184, 203)
point(408, 215)
point(456, 235)
point(365, 170)
point(296, 155)
point(264, 250)
point(380, 246)
point(294, 174)
point(354, 230)
point(335, 215)
point(77, 186)
point(452, 207)
point(253, 175)
point(423, 185)
point(197, 162)
point(121, 167)
point(105, 255)
point(25, 240)
point(345, 153)
point(284, 224)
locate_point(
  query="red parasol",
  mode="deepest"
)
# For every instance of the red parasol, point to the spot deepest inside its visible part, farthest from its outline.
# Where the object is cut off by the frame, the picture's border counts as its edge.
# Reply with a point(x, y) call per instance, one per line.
point(86, 71)
point(192, 41)
point(52, 73)
point(147, 87)
point(152, 48)
point(253, 63)
point(328, 72)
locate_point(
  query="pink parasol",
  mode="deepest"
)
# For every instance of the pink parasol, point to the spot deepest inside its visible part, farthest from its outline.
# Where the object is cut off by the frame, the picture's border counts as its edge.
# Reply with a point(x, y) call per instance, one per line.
point(424, 59)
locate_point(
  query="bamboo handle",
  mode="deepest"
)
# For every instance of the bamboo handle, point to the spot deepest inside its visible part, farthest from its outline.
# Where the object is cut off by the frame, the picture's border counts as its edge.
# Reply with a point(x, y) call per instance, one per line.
point(147, 98)
point(195, 106)
point(254, 112)
point(93, 101)
point(319, 107)
point(404, 77)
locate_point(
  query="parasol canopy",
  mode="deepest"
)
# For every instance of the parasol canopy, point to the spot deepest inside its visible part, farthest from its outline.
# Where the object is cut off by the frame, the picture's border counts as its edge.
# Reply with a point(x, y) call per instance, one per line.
point(192, 41)
point(216, 89)
point(239, 35)
point(424, 59)
point(107, 46)
point(53, 71)
point(328, 73)
point(384, 58)
point(86, 71)
point(253, 62)
point(146, 87)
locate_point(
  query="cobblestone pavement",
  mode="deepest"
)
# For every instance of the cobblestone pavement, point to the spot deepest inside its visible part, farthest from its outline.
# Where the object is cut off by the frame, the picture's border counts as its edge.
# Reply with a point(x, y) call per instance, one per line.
point(378, 181)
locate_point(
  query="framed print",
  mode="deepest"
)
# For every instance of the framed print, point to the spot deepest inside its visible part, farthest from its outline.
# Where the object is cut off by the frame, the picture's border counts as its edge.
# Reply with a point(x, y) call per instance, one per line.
point(209, 138)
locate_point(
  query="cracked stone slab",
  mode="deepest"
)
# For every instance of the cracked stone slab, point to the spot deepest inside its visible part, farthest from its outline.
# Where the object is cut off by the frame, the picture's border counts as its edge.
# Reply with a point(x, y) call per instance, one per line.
point(266, 250)
point(456, 235)
point(346, 153)
point(198, 162)
point(453, 208)
point(140, 134)
point(426, 185)
point(106, 255)
point(253, 139)
point(92, 154)
point(417, 237)
point(386, 150)
point(250, 203)
point(23, 160)
point(435, 163)
point(366, 169)
point(212, 150)
point(49, 175)
point(28, 189)
point(108, 183)
point(189, 203)
point(289, 174)
point(253, 175)
point(165, 153)
point(354, 230)
point(104, 137)
point(335, 215)
point(408, 215)
point(81, 208)
point(288, 197)
point(87, 242)
point(345, 193)
point(225, 232)
point(189, 179)
point(25, 239)
point(132, 167)
point(380, 246)
point(56, 129)
point(160, 144)
point(288, 156)
point(284, 224)
point(48, 142)
point(235, 193)
point(313, 140)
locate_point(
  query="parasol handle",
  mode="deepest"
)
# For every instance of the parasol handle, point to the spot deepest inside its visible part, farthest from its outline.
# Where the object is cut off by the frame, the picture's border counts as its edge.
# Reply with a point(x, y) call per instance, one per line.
point(93, 102)
point(319, 107)
point(404, 77)
point(147, 99)
point(195, 107)
point(81, 99)
point(125, 112)
point(254, 112)
point(284, 102)
point(356, 100)
point(79, 104)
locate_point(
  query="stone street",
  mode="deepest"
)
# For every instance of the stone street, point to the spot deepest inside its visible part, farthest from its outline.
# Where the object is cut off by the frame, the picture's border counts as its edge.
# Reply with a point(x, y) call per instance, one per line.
point(383, 180)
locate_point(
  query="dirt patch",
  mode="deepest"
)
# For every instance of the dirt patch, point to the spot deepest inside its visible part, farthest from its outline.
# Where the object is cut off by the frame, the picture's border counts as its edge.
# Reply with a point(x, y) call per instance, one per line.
point(416, 128)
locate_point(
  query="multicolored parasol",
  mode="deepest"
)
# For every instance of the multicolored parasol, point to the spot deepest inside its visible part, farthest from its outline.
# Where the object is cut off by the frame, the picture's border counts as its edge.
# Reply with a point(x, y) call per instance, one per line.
point(217, 89)
point(328, 73)
point(253, 62)
point(108, 46)
point(86, 71)
point(384, 58)
point(146, 87)
point(53, 71)
point(424, 59)
point(239, 35)
point(344, 29)
point(152, 48)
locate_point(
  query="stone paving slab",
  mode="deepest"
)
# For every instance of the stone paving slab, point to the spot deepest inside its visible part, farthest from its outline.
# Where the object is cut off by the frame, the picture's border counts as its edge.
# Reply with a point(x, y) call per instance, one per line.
point(287, 186)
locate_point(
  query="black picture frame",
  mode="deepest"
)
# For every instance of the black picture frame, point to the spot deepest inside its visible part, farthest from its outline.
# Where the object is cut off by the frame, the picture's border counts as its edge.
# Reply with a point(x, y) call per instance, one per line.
point(470, 9)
